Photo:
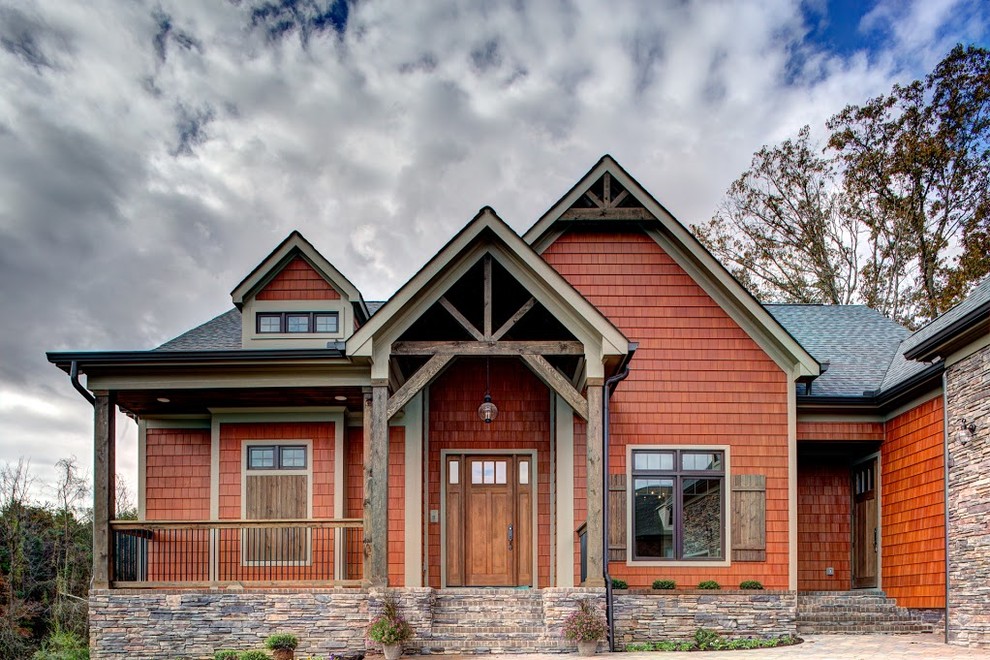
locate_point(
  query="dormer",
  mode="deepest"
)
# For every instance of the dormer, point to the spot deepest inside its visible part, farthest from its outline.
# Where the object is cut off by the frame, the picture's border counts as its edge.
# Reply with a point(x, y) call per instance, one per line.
point(295, 298)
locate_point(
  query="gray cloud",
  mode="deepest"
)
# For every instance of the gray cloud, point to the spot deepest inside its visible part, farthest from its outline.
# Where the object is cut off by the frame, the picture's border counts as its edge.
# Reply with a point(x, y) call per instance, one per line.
point(152, 153)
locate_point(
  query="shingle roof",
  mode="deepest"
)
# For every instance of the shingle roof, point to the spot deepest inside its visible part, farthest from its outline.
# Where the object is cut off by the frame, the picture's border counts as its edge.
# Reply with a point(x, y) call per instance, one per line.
point(978, 297)
point(858, 342)
point(220, 333)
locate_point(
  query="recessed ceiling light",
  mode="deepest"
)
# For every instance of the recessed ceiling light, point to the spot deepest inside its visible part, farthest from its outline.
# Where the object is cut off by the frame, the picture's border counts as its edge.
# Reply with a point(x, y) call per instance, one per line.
point(163, 399)
point(340, 397)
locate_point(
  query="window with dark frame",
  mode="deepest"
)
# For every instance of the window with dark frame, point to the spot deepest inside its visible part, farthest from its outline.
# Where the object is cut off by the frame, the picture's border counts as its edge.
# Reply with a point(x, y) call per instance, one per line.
point(276, 457)
point(278, 323)
point(678, 504)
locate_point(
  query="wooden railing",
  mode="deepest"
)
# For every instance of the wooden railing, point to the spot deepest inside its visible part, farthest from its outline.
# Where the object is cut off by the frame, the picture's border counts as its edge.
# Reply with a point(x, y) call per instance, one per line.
point(159, 554)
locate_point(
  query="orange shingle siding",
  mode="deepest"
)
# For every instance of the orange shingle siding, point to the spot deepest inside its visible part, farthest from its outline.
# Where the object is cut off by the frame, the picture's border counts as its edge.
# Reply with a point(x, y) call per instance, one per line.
point(697, 379)
point(177, 474)
point(354, 498)
point(523, 423)
point(396, 505)
point(824, 518)
point(298, 281)
point(913, 507)
point(841, 431)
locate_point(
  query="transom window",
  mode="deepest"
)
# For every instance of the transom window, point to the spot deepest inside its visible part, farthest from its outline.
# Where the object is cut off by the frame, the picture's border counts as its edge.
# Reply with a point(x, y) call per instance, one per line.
point(276, 457)
point(678, 504)
point(297, 322)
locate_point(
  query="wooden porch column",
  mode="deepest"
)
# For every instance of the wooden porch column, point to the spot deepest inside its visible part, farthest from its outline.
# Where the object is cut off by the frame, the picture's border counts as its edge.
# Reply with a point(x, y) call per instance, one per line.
point(104, 487)
point(596, 566)
point(376, 485)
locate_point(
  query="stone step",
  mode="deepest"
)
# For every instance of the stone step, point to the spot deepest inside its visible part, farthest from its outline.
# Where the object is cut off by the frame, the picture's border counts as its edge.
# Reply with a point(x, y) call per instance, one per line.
point(451, 630)
point(862, 629)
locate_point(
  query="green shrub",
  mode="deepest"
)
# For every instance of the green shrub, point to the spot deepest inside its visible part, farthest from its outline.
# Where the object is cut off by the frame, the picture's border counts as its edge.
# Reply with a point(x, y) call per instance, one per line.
point(282, 641)
point(750, 584)
point(586, 624)
point(388, 627)
point(63, 645)
point(707, 640)
point(664, 584)
point(254, 655)
point(619, 584)
point(226, 654)
point(709, 584)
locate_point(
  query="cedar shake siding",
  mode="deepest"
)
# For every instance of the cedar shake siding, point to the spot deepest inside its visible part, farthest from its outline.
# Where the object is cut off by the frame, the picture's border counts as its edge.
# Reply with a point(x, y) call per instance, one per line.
point(396, 505)
point(697, 379)
point(523, 423)
point(177, 474)
point(912, 507)
point(840, 431)
point(824, 515)
point(298, 281)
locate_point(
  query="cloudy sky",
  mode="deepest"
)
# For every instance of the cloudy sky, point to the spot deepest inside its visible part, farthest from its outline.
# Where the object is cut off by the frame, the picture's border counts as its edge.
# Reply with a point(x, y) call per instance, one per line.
point(153, 152)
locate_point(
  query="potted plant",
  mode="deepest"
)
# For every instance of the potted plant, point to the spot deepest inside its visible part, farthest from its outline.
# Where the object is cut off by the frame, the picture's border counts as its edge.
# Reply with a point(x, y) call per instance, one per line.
point(389, 629)
point(586, 626)
point(282, 645)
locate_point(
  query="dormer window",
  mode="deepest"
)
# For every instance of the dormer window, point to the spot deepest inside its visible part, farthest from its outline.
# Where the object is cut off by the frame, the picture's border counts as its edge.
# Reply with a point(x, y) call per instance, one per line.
point(272, 323)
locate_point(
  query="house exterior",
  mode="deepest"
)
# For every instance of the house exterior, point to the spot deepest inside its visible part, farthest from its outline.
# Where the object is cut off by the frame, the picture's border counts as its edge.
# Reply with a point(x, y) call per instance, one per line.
point(468, 443)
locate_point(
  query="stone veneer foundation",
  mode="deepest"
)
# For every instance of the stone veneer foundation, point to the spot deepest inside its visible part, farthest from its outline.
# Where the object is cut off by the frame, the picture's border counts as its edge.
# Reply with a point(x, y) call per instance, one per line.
point(967, 385)
point(193, 624)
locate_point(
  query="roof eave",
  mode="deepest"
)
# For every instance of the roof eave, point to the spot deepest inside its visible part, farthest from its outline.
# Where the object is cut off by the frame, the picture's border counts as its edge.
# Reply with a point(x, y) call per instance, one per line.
point(945, 341)
point(64, 360)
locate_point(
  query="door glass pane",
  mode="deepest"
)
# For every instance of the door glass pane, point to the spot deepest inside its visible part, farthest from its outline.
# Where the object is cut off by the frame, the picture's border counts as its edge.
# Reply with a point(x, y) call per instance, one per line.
point(454, 468)
point(654, 517)
point(500, 477)
point(524, 472)
point(476, 472)
point(702, 460)
point(701, 523)
point(489, 472)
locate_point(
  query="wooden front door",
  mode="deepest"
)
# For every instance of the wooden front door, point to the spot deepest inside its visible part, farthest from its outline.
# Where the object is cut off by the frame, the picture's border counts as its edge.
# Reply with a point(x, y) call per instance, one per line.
point(865, 524)
point(489, 520)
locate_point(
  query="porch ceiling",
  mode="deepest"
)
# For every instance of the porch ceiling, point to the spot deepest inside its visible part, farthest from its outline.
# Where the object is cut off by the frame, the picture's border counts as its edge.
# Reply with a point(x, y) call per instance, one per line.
point(199, 401)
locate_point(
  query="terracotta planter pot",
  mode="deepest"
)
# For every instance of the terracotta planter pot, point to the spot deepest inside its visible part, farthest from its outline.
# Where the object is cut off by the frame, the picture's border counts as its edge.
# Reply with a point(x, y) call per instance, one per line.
point(587, 648)
point(392, 651)
point(283, 654)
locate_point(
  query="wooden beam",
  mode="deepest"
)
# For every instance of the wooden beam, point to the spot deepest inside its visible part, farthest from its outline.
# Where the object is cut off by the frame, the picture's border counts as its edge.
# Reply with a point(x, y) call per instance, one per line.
point(558, 383)
point(488, 296)
point(521, 312)
point(488, 348)
point(607, 180)
point(594, 198)
point(618, 199)
point(460, 318)
point(595, 489)
point(417, 382)
point(104, 487)
point(375, 529)
point(607, 214)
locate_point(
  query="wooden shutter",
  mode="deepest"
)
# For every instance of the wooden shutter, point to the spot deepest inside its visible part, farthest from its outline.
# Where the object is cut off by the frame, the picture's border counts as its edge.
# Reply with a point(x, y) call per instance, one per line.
point(749, 517)
point(616, 517)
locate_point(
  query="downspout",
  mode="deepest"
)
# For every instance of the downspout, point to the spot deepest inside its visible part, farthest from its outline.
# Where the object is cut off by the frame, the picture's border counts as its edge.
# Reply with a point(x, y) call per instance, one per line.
point(74, 379)
point(610, 385)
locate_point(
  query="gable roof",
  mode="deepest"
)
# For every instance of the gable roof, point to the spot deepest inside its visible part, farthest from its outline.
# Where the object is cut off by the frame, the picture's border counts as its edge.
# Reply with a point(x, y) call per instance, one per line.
point(222, 332)
point(858, 343)
point(294, 245)
point(687, 251)
point(967, 318)
point(487, 221)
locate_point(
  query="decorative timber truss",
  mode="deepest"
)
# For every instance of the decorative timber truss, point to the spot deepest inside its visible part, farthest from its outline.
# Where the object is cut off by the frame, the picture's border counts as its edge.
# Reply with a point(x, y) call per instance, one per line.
point(606, 199)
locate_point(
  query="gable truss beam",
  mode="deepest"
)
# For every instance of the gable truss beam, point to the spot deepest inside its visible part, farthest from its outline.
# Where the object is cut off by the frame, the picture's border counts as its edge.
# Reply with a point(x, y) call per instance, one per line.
point(607, 214)
point(416, 382)
point(521, 312)
point(558, 383)
point(460, 318)
point(492, 348)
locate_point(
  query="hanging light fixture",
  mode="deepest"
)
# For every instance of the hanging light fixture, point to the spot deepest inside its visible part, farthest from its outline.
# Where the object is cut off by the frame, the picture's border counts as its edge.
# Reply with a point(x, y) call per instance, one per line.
point(487, 411)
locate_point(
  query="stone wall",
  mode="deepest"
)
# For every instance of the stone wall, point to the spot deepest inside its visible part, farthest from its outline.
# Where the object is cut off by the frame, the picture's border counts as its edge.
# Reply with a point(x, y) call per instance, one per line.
point(654, 616)
point(193, 624)
point(968, 396)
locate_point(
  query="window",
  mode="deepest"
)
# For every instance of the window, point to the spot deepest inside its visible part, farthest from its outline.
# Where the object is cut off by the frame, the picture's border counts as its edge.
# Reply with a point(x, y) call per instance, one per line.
point(285, 457)
point(277, 323)
point(678, 504)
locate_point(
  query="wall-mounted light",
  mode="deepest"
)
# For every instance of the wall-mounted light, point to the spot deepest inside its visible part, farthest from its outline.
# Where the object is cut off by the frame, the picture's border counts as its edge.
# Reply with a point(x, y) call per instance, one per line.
point(967, 430)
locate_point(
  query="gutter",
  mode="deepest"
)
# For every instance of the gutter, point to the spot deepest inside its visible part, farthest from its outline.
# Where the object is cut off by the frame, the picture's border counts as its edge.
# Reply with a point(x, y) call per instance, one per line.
point(610, 385)
point(958, 327)
point(875, 399)
point(74, 379)
point(65, 360)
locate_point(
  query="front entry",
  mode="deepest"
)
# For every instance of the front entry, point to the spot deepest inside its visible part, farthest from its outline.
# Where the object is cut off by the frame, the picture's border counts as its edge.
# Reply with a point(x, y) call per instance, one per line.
point(865, 527)
point(489, 520)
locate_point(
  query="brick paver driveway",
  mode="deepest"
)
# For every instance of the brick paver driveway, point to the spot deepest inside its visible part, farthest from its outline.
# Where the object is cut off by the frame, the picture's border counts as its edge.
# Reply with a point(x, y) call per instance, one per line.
point(815, 647)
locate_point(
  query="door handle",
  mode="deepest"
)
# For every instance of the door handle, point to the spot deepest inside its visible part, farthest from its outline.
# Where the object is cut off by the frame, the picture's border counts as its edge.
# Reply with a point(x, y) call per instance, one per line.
point(510, 537)
point(876, 540)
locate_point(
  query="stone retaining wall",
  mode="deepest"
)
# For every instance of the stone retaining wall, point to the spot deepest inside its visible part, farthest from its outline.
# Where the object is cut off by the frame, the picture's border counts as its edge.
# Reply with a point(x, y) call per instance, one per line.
point(193, 624)
point(654, 616)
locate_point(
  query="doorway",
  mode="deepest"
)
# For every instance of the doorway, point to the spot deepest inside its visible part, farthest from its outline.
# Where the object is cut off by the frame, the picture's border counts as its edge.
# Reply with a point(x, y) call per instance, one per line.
point(489, 519)
point(865, 524)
